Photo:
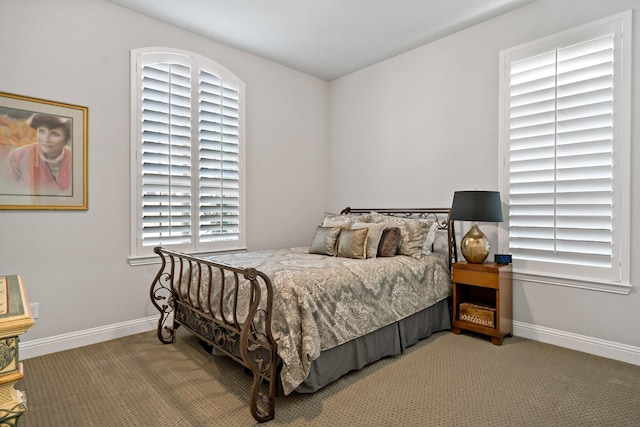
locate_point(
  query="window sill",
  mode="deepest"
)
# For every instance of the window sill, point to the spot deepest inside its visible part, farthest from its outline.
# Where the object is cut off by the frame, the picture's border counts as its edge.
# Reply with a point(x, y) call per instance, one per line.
point(573, 282)
point(155, 259)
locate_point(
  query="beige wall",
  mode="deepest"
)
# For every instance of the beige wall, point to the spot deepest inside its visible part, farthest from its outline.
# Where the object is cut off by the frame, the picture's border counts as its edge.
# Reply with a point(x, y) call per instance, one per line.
point(74, 264)
point(425, 123)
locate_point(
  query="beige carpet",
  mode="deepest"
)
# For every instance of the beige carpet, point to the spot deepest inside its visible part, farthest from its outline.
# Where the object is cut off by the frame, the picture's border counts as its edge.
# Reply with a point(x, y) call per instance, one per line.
point(446, 380)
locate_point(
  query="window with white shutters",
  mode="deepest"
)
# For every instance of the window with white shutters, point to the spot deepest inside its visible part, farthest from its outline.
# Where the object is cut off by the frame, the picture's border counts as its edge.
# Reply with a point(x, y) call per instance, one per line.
point(564, 139)
point(187, 147)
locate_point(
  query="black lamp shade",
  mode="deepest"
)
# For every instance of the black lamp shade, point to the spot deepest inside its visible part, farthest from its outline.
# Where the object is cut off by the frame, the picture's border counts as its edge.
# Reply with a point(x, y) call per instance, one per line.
point(483, 206)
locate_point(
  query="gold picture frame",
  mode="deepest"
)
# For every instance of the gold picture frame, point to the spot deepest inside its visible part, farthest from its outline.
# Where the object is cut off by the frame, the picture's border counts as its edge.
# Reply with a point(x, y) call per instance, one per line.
point(43, 154)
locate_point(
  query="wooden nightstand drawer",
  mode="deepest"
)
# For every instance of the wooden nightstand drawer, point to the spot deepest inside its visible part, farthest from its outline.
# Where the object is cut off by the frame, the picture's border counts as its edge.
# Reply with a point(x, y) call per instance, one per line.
point(476, 278)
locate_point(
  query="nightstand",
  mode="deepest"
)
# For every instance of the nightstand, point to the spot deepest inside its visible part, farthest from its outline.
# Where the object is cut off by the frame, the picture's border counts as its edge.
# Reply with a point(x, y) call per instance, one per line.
point(482, 300)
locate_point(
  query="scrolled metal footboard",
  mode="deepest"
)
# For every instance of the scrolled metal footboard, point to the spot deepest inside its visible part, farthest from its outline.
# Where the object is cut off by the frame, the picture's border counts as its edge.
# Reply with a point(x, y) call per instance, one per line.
point(229, 308)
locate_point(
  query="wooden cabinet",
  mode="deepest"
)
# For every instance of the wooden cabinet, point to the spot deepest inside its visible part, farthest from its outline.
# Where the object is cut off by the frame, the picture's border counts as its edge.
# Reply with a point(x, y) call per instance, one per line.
point(482, 299)
point(15, 319)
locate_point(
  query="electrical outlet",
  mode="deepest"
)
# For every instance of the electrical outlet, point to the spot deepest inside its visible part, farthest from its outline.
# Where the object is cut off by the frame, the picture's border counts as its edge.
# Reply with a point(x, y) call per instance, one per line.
point(35, 309)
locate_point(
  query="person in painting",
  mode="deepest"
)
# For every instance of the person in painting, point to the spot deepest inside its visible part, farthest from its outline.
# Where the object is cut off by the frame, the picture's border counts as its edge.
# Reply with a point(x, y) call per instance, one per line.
point(43, 167)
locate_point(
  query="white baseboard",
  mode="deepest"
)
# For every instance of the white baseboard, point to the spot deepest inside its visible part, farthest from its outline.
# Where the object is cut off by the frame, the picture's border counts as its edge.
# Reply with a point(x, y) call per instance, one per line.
point(42, 346)
point(583, 343)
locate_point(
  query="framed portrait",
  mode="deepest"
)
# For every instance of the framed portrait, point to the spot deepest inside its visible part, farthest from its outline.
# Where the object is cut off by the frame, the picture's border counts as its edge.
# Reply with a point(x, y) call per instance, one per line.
point(43, 154)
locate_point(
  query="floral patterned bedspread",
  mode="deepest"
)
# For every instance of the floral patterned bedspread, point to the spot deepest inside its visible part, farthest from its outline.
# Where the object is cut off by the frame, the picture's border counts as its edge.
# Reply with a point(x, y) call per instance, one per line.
point(321, 302)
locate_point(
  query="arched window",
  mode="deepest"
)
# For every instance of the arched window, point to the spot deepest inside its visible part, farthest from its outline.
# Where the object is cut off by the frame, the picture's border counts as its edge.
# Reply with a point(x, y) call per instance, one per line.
point(187, 162)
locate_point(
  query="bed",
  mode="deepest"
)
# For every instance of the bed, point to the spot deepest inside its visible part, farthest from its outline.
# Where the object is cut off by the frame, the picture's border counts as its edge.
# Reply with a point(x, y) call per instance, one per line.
point(300, 318)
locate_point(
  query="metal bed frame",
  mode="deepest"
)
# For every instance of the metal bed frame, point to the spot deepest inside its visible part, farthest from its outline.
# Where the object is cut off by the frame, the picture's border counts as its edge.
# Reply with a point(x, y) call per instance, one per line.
point(249, 342)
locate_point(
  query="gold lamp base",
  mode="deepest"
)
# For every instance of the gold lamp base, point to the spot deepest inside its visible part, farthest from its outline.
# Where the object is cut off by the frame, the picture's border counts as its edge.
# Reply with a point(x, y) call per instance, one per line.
point(475, 246)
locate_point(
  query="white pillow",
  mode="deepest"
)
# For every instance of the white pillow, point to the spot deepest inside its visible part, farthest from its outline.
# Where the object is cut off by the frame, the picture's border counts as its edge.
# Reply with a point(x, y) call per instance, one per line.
point(373, 238)
point(431, 237)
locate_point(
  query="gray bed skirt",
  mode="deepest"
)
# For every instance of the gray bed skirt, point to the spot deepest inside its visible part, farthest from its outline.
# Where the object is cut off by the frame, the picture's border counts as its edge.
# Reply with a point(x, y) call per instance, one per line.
point(391, 340)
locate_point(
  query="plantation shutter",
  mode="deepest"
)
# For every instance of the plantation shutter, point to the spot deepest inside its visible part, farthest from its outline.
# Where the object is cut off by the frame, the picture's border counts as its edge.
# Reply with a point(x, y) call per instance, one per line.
point(187, 155)
point(561, 145)
point(219, 203)
point(166, 154)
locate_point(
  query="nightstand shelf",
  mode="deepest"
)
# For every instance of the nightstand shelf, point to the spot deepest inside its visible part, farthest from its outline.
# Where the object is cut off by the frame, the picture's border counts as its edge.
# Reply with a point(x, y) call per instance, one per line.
point(482, 299)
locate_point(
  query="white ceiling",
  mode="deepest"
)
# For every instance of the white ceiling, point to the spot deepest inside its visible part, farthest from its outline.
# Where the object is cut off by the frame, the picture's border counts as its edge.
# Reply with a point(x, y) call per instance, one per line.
point(324, 38)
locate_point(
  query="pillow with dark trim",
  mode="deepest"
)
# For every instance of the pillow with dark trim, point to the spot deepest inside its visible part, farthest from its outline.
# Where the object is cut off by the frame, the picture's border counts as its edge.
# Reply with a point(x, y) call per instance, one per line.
point(413, 232)
point(389, 242)
point(325, 240)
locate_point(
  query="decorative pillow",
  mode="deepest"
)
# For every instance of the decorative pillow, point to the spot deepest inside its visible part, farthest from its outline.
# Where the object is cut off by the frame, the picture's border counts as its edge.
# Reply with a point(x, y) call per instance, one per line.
point(413, 232)
point(431, 237)
point(373, 238)
point(353, 243)
point(334, 222)
point(389, 242)
point(325, 240)
point(362, 217)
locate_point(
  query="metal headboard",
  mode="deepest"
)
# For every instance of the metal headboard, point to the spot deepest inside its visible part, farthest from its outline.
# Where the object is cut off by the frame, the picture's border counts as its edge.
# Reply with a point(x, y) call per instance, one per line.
point(440, 215)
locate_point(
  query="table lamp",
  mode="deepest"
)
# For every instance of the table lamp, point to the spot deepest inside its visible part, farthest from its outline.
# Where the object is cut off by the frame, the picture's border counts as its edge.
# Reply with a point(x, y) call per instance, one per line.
point(476, 206)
